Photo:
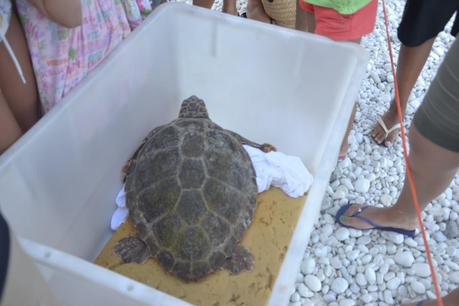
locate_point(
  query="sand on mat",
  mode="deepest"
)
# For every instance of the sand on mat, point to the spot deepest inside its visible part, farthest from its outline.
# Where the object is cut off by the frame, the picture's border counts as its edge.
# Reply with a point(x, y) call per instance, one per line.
point(267, 238)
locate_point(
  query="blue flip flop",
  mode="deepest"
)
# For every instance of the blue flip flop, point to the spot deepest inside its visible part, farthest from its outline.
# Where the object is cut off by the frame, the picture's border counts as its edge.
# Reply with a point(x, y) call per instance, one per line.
point(420, 303)
point(357, 214)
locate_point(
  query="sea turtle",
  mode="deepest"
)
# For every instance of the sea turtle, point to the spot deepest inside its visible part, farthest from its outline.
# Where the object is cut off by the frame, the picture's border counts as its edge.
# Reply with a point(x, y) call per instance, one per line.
point(191, 194)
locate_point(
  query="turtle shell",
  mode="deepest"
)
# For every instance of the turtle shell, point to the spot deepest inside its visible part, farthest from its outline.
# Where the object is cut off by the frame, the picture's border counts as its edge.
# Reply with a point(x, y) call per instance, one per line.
point(191, 194)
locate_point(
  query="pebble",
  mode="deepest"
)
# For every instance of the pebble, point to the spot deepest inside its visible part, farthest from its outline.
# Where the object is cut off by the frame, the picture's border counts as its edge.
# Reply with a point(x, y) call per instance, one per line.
point(366, 259)
point(342, 234)
point(405, 259)
point(295, 297)
point(386, 199)
point(394, 283)
point(364, 240)
point(340, 193)
point(454, 277)
point(361, 280)
point(421, 269)
point(308, 265)
point(452, 229)
point(418, 287)
point(411, 242)
point(355, 289)
point(339, 285)
point(388, 298)
point(304, 291)
point(375, 77)
point(394, 237)
point(370, 275)
point(353, 255)
point(362, 185)
point(347, 182)
point(366, 298)
point(313, 282)
point(347, 302)
point(454, 266)
point(440, 237)
point(336, 263)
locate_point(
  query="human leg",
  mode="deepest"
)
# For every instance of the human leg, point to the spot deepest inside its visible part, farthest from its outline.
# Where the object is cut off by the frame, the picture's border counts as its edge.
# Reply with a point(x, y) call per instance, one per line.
point(305, 19)
point(421, 22)
point(229, 7)
point(411, 60)
point(350, 28)
point(434, 151)
point(204, 3)
point(433, 167)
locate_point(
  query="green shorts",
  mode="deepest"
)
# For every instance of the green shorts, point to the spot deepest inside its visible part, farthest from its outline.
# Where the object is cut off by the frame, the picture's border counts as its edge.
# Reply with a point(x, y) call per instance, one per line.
point(437, 118)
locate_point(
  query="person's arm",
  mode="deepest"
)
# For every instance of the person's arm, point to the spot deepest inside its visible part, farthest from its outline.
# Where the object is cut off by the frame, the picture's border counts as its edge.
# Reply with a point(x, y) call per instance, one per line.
point(65, 12)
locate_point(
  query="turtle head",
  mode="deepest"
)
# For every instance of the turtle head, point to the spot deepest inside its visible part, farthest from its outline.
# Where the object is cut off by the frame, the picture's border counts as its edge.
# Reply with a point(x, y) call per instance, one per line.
point(193, 107)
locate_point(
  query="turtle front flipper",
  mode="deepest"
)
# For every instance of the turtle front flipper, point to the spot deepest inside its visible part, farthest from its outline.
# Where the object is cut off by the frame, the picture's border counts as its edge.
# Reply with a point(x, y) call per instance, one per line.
point(265, 147)
point(241, 260)
point(132, 249)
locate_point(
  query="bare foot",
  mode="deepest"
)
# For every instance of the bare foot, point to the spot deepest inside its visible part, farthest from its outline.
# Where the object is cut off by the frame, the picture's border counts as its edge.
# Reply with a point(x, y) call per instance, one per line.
point(390, 118)
point(386, 217)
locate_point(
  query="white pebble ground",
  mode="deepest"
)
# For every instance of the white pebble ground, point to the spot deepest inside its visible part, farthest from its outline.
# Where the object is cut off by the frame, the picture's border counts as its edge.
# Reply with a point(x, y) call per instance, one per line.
point(343, 267)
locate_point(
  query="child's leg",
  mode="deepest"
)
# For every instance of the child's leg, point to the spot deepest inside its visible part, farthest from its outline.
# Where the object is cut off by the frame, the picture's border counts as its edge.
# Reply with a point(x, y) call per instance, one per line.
point(305, 19)
point(21, 99)
point(10, 130)
point(229, 7)
point(329, 23)
point(204, 3)
point(256, 11)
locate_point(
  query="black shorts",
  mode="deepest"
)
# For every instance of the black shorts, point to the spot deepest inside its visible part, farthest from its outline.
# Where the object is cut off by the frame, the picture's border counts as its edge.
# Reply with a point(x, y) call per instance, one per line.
point(424, 19)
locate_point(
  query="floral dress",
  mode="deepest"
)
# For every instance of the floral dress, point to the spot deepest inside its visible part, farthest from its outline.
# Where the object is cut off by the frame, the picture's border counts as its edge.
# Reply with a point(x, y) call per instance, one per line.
point(63, 57)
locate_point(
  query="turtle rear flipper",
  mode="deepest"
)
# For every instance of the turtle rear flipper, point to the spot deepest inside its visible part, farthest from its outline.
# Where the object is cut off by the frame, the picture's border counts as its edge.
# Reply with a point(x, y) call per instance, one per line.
point(241, 260)
point(132, 249)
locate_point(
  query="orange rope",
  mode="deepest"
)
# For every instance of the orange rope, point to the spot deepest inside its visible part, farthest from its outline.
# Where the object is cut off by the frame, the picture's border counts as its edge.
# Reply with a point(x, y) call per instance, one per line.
point(408, 168)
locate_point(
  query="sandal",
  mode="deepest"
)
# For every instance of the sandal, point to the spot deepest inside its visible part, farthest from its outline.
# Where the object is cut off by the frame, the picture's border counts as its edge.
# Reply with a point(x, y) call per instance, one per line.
point(357, 214)
point(386, 131)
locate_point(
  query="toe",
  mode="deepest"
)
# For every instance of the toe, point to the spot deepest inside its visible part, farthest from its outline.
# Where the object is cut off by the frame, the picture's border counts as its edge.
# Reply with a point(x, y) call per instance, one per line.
point(379, 138)
point(347, 215)
point(377, 134)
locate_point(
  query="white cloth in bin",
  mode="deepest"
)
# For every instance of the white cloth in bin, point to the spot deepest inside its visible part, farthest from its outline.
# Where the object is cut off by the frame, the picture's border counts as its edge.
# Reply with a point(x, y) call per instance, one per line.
point(121, 213)
point(272, 169)
point(280, 170)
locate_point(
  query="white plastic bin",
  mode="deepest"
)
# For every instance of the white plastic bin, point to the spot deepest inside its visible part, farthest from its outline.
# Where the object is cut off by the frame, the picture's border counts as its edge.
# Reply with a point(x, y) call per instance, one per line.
point(270, 84)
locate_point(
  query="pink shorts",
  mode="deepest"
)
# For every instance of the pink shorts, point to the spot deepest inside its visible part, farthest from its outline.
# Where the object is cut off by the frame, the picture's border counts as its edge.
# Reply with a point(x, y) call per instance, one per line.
point(336, 26)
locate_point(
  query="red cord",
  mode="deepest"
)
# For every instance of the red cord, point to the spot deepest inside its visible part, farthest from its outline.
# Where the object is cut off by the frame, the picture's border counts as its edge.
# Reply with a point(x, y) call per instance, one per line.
point(408, 168)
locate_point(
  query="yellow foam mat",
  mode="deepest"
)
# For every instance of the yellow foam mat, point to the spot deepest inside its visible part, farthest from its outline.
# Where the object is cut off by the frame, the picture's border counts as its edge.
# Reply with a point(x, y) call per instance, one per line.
point(267, 238)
